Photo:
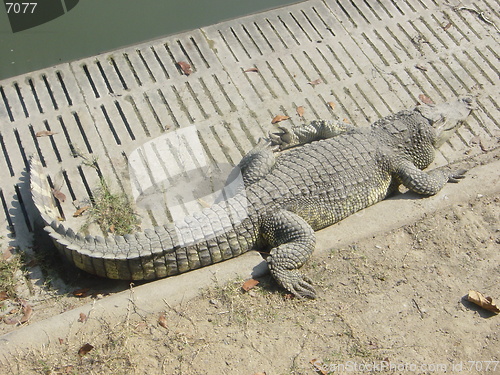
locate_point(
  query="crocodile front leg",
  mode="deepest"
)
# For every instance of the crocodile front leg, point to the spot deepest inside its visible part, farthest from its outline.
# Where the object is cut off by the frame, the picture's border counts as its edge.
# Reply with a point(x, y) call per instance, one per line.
point(292, 241)
point(314, 131)
point(425, 183)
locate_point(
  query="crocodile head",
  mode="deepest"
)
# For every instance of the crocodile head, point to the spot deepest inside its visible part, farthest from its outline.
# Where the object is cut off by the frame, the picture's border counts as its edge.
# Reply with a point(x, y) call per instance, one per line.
point(418, 133)
point(446, 118)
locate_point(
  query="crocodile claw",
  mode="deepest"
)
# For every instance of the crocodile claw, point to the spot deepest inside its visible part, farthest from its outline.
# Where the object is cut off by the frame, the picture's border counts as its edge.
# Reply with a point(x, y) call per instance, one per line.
point(298, 284)
point(283, 139)
point(456, 176)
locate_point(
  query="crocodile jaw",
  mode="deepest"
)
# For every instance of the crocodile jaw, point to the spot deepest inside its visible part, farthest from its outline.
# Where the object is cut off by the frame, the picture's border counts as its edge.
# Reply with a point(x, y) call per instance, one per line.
point(446, 118)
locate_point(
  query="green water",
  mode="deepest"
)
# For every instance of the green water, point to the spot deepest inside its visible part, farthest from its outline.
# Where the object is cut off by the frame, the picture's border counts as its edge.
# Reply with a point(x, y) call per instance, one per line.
point(95, 26)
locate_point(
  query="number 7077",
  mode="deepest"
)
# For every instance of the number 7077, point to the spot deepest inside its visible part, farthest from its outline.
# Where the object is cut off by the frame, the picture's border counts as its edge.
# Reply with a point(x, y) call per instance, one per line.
point(18, 7)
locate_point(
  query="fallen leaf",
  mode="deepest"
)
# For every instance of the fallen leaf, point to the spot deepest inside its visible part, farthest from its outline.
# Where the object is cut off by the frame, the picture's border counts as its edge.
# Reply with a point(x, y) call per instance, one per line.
point(485, 302)
point(112, 228)
point(80, 211)
point(61, 341)
point(9, 252)
point(27, 311)
point(425, 99)
point(447, 26)
point(3, 295)
point(315, 82)
point(82, 318)
point(204, 203)
point(251, 70)
point(331, 105)
point(58, 195)
point(249, 284)
point(279, 118)
point(141, 326)
point(162, 320)
point(421, 67)
point(300, 111)
point(346, 121)
point(85, 349)
point(44, 133)
point(318, 366)
point(185, 67)
point(81, 293)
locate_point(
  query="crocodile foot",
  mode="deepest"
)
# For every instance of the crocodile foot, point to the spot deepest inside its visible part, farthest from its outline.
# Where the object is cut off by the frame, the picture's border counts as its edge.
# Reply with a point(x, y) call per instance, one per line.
point(294, 281)
point(456, 176)
point(283, 139)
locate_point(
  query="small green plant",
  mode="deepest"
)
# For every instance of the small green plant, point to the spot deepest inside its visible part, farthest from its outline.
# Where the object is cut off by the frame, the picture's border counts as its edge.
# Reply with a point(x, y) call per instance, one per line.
point(8, 270)
point(113, 212)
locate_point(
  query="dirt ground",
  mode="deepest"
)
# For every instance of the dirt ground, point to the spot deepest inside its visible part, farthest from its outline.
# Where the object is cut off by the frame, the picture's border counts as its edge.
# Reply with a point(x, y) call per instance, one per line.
point(393, 303)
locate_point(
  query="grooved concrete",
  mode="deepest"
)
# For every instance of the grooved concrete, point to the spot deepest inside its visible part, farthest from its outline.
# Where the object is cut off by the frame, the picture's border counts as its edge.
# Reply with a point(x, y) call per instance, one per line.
point(367, 59)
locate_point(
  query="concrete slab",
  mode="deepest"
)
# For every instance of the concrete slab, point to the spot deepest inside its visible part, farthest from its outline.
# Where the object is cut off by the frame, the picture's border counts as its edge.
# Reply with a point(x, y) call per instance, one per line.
point(369, 59)
point(156, 296)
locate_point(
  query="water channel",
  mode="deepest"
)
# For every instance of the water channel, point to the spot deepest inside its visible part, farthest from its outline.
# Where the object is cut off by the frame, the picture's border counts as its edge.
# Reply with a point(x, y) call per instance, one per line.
point(43, 33)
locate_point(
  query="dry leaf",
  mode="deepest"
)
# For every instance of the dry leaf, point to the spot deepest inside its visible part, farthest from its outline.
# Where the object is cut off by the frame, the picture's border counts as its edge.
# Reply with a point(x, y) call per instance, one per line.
point(251, 70)
point(249, 284)
point(315, 82)
point(318, 366)
point(44, 133)
point(346, 121)
point(162, 320)
point(81, 293)
point(421, 67)
point(185, 67)
point(203, 203)
point(61, 341)
point(485, 302)
point(425, 99)
point(3, 295)
point(448, 25)
point(82, 318)
point(9, 252)
point(27, 310)
point(85, 349)
point(331, 105)
point(112, 228)
point(80, 211)
point(300, 111)
point(58, 195)
point(141, 326)
point(279, 118)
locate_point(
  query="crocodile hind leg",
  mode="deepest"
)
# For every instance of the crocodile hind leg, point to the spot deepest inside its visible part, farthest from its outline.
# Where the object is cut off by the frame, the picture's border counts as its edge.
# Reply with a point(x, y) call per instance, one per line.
point(313, 131)
point(255, 165)
point(258, 162)
point(292, 241)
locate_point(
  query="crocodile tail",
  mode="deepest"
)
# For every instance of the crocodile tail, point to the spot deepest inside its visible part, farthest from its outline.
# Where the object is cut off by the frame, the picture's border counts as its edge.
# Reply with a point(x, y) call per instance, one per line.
point(42, 192)
point(208, 237)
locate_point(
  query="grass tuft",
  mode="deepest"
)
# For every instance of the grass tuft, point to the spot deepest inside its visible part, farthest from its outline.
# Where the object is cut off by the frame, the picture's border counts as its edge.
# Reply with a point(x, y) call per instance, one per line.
point(8, 280)
point(113, 212)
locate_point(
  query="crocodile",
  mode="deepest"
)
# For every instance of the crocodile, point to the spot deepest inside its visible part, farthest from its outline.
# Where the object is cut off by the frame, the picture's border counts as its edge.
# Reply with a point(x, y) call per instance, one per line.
point(325, 171)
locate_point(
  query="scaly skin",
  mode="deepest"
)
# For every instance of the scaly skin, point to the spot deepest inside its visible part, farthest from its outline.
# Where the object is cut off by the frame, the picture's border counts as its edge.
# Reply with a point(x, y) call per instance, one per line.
point(333, 171)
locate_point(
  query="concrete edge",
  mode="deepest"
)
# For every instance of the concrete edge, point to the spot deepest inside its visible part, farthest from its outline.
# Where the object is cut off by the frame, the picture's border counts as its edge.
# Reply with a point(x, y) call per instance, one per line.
point(156, 296)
